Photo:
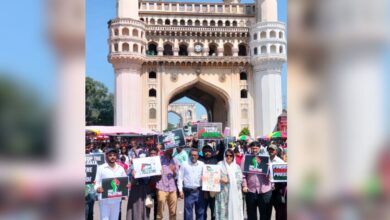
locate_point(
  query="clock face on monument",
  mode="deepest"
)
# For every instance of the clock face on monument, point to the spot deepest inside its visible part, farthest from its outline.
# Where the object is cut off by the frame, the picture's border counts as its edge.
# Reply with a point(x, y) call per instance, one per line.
point(198, 48)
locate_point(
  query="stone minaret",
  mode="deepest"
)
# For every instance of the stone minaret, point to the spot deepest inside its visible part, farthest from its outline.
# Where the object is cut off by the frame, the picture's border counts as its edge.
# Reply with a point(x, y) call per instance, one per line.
point(127, 46)
point(268, 53)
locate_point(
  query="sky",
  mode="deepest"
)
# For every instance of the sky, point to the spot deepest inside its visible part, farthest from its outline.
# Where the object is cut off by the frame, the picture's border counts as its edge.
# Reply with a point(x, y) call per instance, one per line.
point(99, 12)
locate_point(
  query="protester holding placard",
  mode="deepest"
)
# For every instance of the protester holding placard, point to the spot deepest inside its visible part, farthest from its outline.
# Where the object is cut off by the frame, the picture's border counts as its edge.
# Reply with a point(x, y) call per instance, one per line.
point(228, 202)
point(209, 201)
point(166, 186)
point(189, 184)
point(259, 190)
point(279, 194)
point(140, 187)
point(109, 208)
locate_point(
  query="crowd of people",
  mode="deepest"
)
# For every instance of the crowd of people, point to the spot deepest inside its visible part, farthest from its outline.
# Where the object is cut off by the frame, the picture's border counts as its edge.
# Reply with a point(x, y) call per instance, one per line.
point(181, 178)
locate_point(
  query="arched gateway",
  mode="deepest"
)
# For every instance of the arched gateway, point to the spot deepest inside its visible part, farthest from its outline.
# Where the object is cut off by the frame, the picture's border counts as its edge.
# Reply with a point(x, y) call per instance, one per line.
point(226, 62)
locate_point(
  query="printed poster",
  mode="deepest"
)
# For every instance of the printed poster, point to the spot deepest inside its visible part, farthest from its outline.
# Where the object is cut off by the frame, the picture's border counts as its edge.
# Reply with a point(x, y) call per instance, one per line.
point(115, 187)
point(147, 166)
point(95, 158)
point(279, 172)
point(210, 130)
point(172, 139)
point(257, 164)
point(90, 173)
point(211, 177)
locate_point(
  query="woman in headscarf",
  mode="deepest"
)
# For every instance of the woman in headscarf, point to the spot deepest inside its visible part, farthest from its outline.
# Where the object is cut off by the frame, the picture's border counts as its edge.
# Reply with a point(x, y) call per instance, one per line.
point(228, 202)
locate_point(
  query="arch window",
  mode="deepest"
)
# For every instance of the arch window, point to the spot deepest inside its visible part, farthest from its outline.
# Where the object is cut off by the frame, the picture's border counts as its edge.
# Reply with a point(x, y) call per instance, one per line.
point(189, 22)
point(220, 23)
point(182, 22)
point(263, 49)
point(234, 23)
point(183, 50)
point(152, 49)
point(135, 33)
point(227, 50)
point(244, 94)
point(167, 22)
point(243, 76)
point(152, 113)
point(152, 21)
point(189, 113)
point(254, 36)
point(281, 49)
point(212, 23)
point(273, 49)
point(159, 21)
point(115, 47)
point(142, 50)
point(152, 75)
point(272, 34)
point(227, 23)
point(280, 34)
point(168, 50)
point(212, 49)
point(135, 48)
point(255, 51)
point(174, 22)
point(142, 19)
point(152, 93)
point(125, 32)
point(204, 23)
point(242, 50)
point(263, 35)
point(197, 23)
point(125, 47)
point(116, 32)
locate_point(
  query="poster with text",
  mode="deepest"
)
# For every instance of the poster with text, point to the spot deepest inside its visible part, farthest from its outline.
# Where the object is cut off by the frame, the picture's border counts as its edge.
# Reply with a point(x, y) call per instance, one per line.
point(147, 166)
point(90, 173)
point(96, 158)
point(211, 177)
point(172, 139)
point(115, 187)
point(279, 172)
point(257, 164)
point(210, 130)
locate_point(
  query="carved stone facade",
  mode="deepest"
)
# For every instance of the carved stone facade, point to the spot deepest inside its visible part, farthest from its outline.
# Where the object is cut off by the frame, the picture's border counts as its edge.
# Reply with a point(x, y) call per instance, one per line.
point(186, 112)
point(226, 56)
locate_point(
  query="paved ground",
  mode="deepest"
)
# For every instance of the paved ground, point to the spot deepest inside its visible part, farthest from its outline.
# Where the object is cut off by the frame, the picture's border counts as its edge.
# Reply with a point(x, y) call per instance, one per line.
point(179, 214)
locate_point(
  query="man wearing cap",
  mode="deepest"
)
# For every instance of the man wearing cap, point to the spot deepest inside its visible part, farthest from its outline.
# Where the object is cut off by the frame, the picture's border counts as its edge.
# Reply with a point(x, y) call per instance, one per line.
point(209, 201)
point(109, 208)
point(258, 190)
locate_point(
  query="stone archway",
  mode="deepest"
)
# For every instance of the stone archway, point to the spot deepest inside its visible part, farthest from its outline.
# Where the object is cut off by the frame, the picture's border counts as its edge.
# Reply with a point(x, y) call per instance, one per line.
point(186, 111)
point(214, 100)
point(180, 124)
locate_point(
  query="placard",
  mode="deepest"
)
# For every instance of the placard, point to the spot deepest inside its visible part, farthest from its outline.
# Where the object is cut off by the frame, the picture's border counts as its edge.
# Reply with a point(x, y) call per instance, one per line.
point(90, 173)
point(279, 172)
point(115, 187)
point(95, 158)
point(210, 130)
point(147, 166)
point(172, 139)
point(211, 178)
point(257, 164)
point(190, 130)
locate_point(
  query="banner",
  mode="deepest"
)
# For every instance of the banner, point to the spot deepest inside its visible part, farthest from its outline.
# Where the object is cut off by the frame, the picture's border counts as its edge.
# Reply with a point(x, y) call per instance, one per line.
point(257, 164)
point(90, 173)
point(211, 177)
point(115, 187)
point(172, 139)
point(96, 158)
point(210, 130)
point(279, 172)
point(147, 166)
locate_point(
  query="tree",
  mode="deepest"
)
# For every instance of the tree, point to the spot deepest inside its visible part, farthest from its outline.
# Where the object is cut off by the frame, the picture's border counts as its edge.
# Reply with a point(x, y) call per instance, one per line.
point(99, 107)
point(245, 131)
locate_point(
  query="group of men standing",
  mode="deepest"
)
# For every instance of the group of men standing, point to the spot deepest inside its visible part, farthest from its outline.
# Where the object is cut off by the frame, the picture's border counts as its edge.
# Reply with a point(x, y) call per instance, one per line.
point(181, 177)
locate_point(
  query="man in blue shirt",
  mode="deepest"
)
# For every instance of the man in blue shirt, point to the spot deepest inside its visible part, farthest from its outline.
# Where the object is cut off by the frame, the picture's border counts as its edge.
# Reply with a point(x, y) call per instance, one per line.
point(189, 185)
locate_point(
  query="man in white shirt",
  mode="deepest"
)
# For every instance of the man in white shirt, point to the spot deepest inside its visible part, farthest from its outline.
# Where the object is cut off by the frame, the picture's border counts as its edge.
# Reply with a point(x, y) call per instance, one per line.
point(189, 185)
point(109, 208)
